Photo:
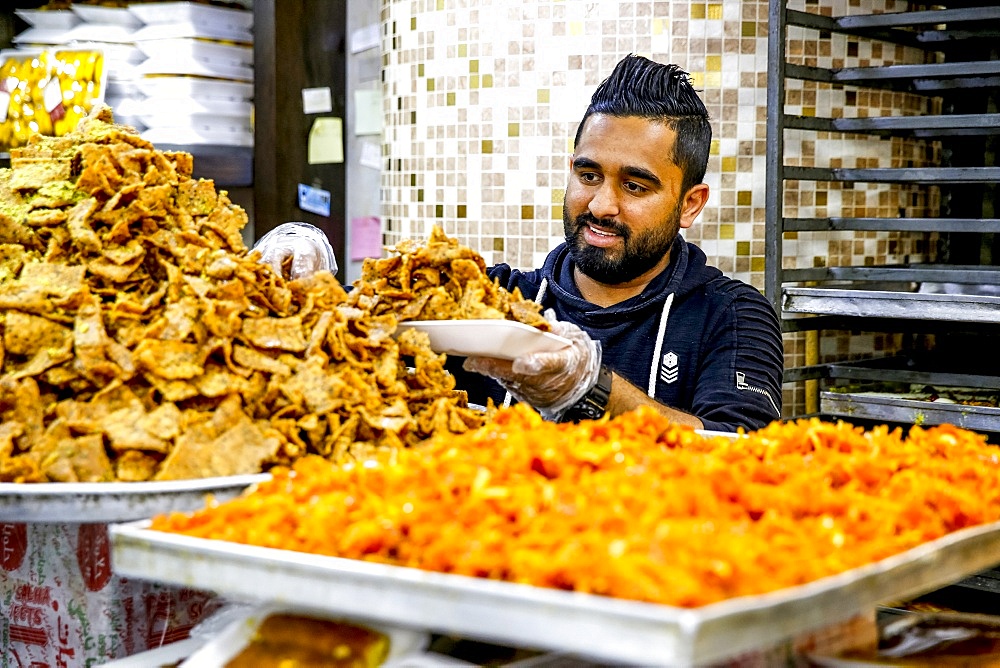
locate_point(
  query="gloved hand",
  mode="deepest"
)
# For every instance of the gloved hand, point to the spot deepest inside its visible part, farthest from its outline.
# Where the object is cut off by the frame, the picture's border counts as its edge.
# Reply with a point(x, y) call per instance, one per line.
point(306, 244)
point(549, 381)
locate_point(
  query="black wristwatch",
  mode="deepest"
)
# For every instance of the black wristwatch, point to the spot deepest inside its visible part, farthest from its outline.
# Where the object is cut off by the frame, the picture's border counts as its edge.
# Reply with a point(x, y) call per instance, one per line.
point(594, 403)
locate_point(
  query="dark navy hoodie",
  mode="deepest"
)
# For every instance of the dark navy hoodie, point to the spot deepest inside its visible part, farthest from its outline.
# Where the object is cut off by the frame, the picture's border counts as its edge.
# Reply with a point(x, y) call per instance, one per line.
point(694, 339)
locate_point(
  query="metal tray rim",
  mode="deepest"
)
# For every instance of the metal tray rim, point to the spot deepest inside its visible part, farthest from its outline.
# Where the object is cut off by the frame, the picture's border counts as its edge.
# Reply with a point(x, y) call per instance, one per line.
point(104, 502)
point(45, 489)
point(616, 629)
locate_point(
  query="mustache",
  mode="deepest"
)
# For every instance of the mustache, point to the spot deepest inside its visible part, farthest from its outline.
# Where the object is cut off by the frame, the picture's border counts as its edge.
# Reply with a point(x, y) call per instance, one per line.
point(607, 224)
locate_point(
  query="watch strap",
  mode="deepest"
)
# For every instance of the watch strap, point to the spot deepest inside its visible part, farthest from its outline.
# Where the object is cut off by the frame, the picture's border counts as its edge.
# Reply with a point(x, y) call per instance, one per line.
point(594, 404)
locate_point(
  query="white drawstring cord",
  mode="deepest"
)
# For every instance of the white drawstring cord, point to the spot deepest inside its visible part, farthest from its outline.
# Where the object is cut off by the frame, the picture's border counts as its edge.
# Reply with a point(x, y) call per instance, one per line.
point(538, 300)
point(658, 348)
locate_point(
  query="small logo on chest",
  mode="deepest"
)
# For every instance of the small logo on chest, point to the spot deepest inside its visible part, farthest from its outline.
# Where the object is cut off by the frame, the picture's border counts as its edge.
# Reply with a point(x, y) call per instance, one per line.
point(668, 367)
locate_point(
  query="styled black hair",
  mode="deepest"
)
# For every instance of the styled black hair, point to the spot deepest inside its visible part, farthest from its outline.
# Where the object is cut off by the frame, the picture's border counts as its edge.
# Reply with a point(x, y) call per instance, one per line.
point(663, 93)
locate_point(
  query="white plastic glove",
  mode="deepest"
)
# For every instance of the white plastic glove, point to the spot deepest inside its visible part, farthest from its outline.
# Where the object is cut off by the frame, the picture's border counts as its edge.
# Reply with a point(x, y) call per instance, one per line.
point(306, 244)
point(549, 381)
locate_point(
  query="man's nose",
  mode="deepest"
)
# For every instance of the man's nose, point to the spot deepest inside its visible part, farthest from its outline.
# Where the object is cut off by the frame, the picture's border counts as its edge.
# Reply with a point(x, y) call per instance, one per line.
point(604, 204)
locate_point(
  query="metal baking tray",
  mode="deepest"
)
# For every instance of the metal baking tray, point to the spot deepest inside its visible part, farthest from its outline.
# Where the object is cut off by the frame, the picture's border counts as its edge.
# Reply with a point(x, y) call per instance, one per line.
point(104, 502)
point(521, 615)
point(901, 408)
point(891, 304)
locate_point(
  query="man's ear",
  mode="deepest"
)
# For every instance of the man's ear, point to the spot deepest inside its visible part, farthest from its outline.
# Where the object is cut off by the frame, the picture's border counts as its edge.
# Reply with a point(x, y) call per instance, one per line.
point(695, 200)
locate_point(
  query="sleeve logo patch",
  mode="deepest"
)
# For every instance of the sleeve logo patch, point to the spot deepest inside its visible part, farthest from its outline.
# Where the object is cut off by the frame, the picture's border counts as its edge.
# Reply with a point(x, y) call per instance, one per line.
point(668, 367)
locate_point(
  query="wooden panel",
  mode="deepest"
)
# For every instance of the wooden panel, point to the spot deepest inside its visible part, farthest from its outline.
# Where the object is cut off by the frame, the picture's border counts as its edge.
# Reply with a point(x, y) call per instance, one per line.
point(297, 44)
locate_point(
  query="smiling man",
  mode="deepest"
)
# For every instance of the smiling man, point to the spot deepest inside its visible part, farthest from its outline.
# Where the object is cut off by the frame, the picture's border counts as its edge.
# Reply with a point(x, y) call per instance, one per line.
point(650, 322)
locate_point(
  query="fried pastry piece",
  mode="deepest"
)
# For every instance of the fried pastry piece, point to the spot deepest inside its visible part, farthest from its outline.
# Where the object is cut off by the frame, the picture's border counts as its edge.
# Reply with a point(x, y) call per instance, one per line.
point(293, 641)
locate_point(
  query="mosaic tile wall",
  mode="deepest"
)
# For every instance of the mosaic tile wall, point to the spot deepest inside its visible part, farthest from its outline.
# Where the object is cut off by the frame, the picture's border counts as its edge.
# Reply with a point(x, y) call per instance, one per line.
point(482, 99)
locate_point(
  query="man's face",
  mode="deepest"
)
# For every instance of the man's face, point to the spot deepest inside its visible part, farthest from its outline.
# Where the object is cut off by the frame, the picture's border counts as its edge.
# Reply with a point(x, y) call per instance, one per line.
point(623, 206)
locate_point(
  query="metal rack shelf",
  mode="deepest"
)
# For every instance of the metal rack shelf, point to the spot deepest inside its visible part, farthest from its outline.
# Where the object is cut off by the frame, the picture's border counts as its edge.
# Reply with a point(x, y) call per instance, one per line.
point(959, 79)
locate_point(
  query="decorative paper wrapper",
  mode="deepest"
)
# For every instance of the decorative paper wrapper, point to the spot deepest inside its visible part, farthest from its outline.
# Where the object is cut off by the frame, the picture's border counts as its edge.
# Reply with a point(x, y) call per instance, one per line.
point(61, 604)
point(47, 91)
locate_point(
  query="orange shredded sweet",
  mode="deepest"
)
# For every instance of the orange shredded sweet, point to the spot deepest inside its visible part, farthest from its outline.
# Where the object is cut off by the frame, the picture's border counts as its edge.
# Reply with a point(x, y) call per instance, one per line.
point(633, 507)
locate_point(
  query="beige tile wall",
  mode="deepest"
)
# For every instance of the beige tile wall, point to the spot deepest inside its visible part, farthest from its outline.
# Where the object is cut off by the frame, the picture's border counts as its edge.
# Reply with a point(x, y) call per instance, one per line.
point(482, 99)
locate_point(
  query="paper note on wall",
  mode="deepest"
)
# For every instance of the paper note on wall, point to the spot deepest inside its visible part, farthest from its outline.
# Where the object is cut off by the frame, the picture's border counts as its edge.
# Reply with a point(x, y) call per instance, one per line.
point(326, 141)
point(371, 155)
point(317, 100)
point(366, 237)
point(364, 38)
point(368, 112)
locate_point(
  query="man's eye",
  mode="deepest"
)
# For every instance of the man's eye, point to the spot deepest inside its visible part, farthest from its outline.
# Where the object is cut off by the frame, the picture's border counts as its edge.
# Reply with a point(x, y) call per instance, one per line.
point(589, 177)
point(634, 188)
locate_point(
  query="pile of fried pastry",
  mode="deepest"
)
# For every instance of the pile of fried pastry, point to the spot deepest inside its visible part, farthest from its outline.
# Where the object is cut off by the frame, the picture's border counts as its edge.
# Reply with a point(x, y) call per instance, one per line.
point(143, 340)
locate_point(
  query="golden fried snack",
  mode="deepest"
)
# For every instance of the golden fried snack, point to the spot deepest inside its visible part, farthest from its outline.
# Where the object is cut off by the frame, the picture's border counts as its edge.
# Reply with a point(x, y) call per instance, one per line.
point(439, 280)
point(135, 324)
point(296, 641)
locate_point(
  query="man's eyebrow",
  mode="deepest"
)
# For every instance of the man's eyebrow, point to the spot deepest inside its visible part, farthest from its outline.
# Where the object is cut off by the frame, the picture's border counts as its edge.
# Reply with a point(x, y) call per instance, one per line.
point(632, 172)
point(643, 174)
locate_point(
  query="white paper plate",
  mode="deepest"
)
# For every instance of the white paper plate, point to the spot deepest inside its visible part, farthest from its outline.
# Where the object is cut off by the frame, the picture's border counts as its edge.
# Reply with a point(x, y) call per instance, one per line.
point(503, 339)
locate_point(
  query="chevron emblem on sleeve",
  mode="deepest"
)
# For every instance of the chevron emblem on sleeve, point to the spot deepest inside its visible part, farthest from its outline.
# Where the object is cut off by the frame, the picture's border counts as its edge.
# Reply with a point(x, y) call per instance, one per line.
point(668, 367)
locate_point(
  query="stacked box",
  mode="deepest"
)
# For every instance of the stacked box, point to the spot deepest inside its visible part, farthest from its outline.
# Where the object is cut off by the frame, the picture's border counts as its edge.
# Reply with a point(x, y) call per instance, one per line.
point(197, 78)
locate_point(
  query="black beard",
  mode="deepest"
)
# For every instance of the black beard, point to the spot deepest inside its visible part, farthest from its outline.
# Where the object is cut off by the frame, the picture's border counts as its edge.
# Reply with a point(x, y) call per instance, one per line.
point(640, 254)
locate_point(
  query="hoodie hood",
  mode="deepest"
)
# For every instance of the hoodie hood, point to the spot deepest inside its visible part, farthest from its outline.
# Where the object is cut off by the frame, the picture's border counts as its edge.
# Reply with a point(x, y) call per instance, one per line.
point(687, 273)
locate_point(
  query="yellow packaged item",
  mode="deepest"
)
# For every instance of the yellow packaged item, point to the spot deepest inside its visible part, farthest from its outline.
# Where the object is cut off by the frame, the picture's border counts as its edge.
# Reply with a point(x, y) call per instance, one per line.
point(47, 92)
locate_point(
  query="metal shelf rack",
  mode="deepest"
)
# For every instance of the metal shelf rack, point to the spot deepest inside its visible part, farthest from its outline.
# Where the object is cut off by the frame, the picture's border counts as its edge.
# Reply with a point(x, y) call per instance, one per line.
point(959, 289)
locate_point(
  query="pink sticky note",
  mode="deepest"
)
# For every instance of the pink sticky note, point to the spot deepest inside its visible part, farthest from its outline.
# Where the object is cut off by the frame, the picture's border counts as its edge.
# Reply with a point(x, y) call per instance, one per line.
point(366, 237)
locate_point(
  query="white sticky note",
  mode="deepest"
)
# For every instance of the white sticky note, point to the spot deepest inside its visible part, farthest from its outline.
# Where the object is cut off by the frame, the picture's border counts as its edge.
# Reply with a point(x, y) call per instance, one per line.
point(371, 155)
point(365, 38)
point(368, 112)
point(317, 100)
point(326, 140)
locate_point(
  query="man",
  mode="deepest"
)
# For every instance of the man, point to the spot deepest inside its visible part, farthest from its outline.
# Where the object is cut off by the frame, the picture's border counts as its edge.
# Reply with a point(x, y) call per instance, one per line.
point(648, 320)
